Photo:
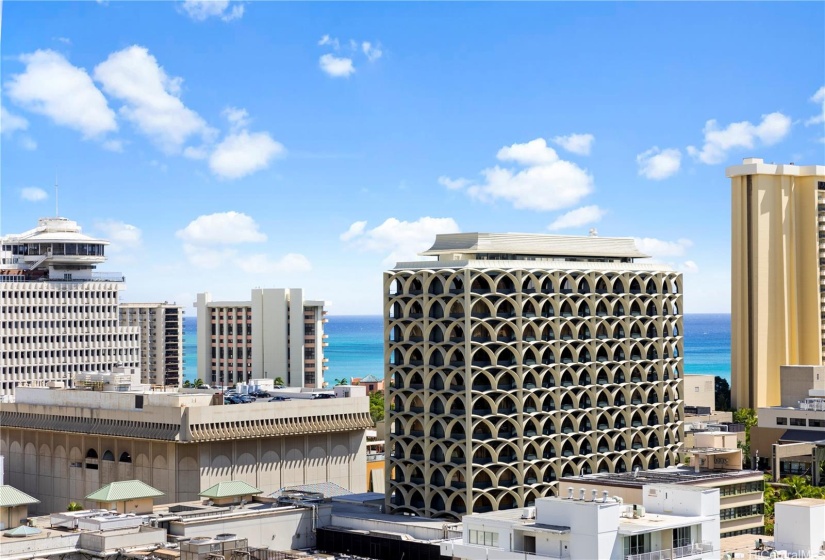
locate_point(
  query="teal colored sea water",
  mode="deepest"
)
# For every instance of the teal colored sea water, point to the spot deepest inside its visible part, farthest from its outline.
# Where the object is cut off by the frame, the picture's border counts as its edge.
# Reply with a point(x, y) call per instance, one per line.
point(356, 346)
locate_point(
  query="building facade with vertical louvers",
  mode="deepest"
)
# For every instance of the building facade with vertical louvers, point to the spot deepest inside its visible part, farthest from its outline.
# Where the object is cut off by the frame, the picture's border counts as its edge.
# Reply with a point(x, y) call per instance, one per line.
point(513, 360)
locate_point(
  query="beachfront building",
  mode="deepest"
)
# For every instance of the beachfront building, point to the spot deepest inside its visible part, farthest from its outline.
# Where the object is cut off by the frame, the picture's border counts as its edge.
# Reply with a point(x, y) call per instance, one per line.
point(513, 360)
point(778, 274)
point(58, 314)
point(161, 340)
point(276, 333)
point(61, 445)
point(666, 522)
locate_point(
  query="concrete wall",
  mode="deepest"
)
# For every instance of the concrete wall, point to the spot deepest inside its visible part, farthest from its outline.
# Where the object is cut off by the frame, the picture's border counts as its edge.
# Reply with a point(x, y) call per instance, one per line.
point(278, 529)
point(800, 526)
point(796, 381)
point(700, 390)
point(52, 466)
point(11, 517)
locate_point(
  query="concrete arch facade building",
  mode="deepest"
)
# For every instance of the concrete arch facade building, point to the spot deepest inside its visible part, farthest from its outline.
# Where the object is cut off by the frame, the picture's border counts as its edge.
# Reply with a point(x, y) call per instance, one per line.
point(510, 365)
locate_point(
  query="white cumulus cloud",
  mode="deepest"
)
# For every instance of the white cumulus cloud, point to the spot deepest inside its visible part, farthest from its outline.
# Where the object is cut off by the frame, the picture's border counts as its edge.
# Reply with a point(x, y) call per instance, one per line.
point(576, 143)
point(689, 266)
point(33, 194)
point(10, 123)
point(120, 234)
point(356, 229)
point(402, 240)
point(818, 97)
point(719, 141)
point(331, 41)
point(336, 67)
point(659, 164)
point(578, 217)
point(242, 153)
point(201, 10)
point(658, 248)
point(544, 183)
point(53, 87)
point(151, 98)
point(372, 52)
point(222, 228)
point(453, 184)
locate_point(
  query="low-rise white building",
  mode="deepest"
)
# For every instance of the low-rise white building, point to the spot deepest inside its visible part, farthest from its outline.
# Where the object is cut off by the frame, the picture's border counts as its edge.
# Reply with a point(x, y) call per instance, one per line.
point(673, 522)
point(800, 527)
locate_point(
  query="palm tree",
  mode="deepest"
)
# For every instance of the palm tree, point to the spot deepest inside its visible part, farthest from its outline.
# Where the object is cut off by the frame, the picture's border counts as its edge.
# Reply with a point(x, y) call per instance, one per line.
point(187, 384)
point(74, 506)
point(278, 380)
point(198, 383)
point(342, 381)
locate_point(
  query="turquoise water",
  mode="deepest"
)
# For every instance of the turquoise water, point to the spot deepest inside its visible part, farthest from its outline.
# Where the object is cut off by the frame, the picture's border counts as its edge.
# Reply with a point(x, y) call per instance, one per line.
point(356, 346)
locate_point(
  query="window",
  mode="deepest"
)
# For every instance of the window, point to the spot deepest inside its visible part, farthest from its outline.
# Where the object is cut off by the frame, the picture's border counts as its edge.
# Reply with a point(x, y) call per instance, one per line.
point(681, 537)
point(816, 423)
point(484, 538)
point(637, 544)
point(781, 421)
point(797, 421)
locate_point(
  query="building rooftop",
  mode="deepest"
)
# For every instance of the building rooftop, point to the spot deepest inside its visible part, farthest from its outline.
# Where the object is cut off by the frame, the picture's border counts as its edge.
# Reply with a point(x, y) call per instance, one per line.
point(230, 489)
point(804, 503)
point(670, 475)
point(124, 490)
point(535, 245)
point(655, 522)
point(11, 497)
point(757, 166)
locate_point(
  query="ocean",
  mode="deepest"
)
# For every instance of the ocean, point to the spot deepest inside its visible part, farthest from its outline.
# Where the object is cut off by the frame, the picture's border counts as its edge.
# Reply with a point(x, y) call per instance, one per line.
point(356, 346)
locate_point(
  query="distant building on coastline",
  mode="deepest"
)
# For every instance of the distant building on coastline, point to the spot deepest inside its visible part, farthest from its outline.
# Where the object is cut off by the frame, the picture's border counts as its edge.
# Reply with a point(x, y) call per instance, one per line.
point(58, 315)
point(274, 334)
point(513, 360)
point(777, 275)
point(161, 340)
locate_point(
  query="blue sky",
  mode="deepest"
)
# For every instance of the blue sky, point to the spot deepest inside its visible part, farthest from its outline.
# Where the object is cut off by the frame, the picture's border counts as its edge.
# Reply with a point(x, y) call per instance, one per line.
point(224, 146)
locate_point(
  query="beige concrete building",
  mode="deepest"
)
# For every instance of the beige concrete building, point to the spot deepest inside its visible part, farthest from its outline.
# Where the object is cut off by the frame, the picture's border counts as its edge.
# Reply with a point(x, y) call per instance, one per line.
point(514, 360)
point(700, 392)
point(161, 340)
point(275, 334)
point(61, 445)
point(58, 315)
point(777, 274)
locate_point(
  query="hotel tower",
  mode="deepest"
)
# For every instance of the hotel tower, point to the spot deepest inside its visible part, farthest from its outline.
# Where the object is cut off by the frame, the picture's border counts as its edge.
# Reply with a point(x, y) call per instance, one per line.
point(161, 340)
point(513, 360)
point(777, 275)
point(58, 315)
point(276, 333)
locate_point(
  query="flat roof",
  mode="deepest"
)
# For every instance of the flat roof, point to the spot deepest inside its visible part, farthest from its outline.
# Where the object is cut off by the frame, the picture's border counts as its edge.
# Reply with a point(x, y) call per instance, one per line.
point(757, 166)
point(538, 264)
point(656, 522)
point(670, 475)
point(534, 244)
point(804, 502)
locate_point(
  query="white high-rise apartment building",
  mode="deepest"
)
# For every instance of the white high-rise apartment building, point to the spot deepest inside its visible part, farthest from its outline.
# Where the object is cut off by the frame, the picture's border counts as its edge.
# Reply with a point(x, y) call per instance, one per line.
point(58, 316)
point(161, 340)
point(514, 360)
point(275, 334)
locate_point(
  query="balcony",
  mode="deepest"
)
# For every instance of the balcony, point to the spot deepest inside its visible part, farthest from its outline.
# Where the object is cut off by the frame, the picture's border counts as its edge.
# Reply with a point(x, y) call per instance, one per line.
point(671, 554)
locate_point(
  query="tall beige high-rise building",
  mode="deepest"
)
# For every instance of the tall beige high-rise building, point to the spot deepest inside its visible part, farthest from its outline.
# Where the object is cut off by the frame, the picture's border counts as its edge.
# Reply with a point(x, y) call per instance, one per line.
point(276, 333)
point(161, 340)
point(513, 360)
point(777, 275)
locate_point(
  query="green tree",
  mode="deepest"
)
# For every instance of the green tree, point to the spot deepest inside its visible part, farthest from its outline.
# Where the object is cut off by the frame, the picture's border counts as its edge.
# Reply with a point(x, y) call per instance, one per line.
point(722, 390)
point(746, 416)
point(187, 384)
point(74, 506)
point(279, 381)
point(198, 383)
point(377, 406)
point(342, 381)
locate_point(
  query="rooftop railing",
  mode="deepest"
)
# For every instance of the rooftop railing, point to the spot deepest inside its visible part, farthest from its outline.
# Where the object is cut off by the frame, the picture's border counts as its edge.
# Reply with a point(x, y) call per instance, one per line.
point(673, 553)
